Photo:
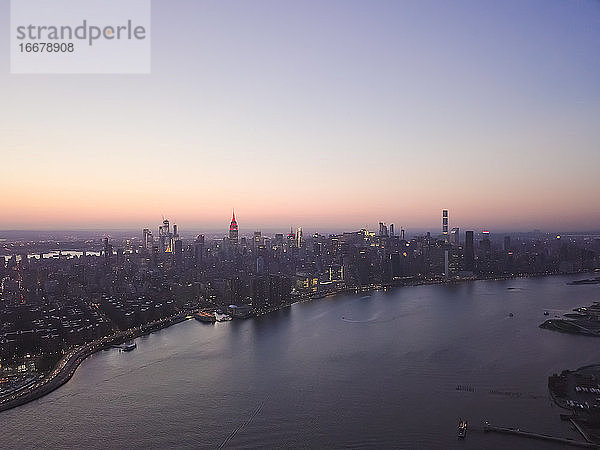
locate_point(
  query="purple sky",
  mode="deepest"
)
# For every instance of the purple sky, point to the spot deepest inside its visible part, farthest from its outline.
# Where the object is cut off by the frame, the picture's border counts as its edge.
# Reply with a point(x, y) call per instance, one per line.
point(316, 113)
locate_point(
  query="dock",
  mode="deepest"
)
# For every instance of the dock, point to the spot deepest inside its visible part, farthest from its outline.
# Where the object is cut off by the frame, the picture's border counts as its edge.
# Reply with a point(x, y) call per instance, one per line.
point(517, 431)
point(581, 430)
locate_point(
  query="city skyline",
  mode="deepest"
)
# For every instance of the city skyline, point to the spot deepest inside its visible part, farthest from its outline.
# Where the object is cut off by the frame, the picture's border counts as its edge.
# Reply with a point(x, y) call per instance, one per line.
point(299, 224)
point(319, 114)
point(223, 227)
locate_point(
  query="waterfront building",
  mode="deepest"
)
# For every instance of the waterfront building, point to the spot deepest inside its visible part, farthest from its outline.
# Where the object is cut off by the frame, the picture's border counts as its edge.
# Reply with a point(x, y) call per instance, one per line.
point(485, 245)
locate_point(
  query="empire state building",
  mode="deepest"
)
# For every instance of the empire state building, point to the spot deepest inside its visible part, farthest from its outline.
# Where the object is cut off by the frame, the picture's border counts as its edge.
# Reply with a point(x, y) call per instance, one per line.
point(233, 230)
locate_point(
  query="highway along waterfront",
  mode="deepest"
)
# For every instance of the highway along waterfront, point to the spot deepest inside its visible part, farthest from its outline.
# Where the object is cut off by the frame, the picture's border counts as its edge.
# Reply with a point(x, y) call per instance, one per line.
point(394, 369)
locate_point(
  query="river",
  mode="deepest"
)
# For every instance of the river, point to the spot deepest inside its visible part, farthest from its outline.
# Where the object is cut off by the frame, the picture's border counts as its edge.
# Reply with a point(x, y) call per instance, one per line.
point(378, 371)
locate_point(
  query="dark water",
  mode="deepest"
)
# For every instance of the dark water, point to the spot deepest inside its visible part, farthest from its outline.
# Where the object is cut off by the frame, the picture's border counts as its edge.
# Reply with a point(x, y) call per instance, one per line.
point(354, 371)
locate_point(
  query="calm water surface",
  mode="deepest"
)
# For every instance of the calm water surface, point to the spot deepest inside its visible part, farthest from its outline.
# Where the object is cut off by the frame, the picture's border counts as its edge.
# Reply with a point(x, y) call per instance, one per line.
point(352, 371)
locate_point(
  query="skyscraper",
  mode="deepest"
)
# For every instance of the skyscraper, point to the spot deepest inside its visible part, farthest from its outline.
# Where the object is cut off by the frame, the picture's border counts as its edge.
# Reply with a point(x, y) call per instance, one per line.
point(454, 235)
point(469, 251)
point(233, 229)
point(107, 250)
point(299, 237)
point(165, 237)
point(485, 245)
point(178, 251)
point(257, 239)
point(147, 240)
point(383, 230)
point(446, 263)
point(199, 249)
point(445, 222)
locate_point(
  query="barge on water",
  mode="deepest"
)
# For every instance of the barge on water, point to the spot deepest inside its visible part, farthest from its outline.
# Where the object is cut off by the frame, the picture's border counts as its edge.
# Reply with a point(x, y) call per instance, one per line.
point(125, 347)
point(128, 346)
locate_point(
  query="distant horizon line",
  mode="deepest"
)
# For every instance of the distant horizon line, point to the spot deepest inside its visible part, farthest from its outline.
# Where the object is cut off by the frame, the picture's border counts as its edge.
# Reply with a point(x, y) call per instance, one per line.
point(274, 230)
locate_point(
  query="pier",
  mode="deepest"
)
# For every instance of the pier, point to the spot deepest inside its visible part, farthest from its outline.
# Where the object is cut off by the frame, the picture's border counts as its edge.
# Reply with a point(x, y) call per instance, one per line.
point(492, 428)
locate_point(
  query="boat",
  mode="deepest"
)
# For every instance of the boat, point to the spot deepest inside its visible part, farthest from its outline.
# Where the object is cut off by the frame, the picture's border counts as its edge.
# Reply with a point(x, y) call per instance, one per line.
point(576, 316)
point(223, 317)
point(586, 281)
point(511, 315)
point(546, 313)
point(128, 346)
point(462, 429)
point(205, 317)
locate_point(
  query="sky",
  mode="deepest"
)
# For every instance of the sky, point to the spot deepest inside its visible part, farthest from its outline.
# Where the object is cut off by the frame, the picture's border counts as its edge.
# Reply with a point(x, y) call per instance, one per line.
point(322, 114)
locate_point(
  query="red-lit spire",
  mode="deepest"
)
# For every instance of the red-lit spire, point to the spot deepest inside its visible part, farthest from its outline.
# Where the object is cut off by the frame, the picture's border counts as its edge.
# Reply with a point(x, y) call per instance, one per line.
point(233, 226)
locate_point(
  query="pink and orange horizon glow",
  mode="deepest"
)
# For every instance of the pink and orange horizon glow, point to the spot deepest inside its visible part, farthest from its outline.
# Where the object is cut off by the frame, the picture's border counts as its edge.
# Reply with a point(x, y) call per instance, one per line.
point(322, 115)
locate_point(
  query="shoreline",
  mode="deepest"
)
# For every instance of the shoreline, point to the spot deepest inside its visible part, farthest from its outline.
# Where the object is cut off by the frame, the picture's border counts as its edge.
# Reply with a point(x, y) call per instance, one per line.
point(403, 283)
point(68, 364)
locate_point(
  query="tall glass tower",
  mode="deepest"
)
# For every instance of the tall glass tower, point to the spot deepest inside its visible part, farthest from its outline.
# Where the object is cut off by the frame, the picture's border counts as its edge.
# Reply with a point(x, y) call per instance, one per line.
point(445, 222)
